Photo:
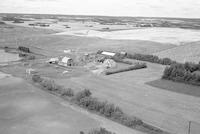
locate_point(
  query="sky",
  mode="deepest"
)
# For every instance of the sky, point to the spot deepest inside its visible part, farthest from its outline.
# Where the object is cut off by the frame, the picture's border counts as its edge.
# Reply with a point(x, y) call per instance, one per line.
point(146, 8)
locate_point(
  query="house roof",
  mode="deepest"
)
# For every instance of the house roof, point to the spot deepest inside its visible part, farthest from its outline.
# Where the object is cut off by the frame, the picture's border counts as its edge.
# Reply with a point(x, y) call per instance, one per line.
point(65, 59)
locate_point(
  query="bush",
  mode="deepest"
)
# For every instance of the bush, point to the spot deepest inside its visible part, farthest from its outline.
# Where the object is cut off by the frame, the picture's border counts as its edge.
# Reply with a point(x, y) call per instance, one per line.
point(67, 92)
point(37, 78)
point(129, 68)
point(82, 94)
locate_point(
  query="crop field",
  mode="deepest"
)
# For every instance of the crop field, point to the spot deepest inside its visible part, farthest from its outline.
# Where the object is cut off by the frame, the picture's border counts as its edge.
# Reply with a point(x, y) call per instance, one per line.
point(187, 52)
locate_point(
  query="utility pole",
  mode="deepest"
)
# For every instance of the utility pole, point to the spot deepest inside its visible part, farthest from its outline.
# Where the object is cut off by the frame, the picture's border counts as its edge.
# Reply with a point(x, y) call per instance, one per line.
point(189, 127)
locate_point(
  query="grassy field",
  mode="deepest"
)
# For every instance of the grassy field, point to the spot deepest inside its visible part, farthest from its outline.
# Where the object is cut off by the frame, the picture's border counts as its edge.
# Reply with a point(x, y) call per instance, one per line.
point(168, 110)
point(176, 87)
point(27, 109)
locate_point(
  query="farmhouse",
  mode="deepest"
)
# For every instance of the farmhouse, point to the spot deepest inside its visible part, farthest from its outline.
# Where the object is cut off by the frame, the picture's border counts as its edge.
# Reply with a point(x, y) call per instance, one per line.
point(66, 61)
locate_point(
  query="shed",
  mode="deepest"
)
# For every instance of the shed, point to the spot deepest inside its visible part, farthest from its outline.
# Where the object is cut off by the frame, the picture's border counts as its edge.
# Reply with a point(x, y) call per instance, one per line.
point(53, 60)
point(109, 63)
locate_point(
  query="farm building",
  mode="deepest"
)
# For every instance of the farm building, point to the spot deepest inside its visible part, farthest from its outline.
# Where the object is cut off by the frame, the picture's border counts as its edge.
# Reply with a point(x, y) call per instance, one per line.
point(123, 53)
point(53, 60)
point(66, 61)
point(108, 53)
point(109, 63)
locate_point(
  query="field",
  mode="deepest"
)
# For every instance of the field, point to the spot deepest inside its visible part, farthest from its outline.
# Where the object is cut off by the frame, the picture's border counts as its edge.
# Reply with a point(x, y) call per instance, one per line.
point(163, 104)
point(186, 52)
point(168, 110)
point(27, 109)
point(176, 87)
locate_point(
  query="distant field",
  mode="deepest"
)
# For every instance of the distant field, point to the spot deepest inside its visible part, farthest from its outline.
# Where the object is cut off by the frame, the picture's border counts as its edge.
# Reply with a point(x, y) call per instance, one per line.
point(188, 52)
point(176, 87)
point(162, 35)
point(55, 44)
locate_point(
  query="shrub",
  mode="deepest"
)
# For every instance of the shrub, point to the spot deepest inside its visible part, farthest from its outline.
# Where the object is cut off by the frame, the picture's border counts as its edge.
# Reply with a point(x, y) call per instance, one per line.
point(24, 49)
point(37, 78)
point(67, 92)
point(49, 85)
point(82, 94)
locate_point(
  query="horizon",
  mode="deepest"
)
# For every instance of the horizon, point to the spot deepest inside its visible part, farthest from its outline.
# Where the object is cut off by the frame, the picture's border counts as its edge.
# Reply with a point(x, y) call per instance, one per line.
point(113, 8)
point(164, 17)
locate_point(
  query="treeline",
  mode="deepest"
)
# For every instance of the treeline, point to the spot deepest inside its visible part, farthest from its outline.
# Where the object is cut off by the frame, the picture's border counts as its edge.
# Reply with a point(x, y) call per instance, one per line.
point(151, 58)
point(85, 100)
point(129, 68)
point(188, 73)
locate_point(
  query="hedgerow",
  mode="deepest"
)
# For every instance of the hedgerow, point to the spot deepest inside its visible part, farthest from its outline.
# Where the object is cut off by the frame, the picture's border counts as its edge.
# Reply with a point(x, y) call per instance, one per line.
point(151, 58)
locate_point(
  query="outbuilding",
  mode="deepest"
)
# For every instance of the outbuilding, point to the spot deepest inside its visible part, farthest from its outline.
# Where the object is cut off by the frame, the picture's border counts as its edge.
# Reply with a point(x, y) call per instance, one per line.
point(53, 60)
point(108, 53)
point(109, 63)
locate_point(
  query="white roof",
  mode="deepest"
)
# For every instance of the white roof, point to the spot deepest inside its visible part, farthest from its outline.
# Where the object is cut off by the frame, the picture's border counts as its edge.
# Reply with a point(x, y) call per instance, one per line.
point(108, 53)
point(53, 59)
point(65, 59)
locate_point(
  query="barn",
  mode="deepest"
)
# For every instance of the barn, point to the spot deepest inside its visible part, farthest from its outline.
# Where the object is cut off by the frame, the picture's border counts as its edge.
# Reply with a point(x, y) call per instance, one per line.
point(106, 53)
